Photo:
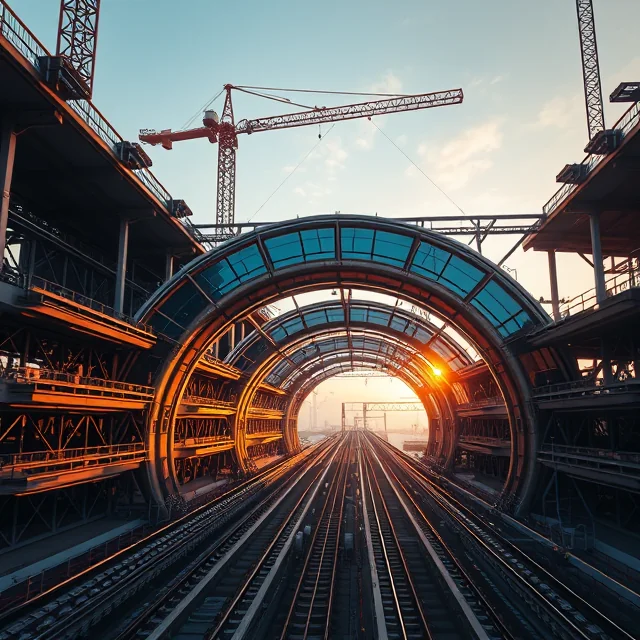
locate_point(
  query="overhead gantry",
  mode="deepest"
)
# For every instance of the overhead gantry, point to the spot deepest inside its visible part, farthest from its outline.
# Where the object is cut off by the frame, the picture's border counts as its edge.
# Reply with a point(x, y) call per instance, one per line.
point(463, 290)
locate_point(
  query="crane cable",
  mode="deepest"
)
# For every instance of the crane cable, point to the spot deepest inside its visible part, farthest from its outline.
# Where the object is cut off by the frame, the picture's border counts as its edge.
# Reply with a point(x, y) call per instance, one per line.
point(275, 98)
point(442, 191)
point(333, 93)
point(204, 107)
point(294, 170)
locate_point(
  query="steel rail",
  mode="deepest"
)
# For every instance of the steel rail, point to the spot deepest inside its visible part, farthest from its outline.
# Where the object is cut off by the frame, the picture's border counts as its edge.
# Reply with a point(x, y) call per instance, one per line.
point(187, 574)
point(224, 618)
point(461, 514)
point(387, 550)
point(263, 476)
point(328, 521)
point(155, 552)
point(469, 582)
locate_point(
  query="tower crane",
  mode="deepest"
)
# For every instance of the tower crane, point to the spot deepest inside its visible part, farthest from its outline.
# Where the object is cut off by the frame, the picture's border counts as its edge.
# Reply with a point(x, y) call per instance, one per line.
point(225, 131)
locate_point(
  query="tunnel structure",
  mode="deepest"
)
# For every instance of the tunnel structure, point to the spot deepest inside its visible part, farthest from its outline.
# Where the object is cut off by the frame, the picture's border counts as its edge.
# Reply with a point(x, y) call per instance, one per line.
point(214, 313)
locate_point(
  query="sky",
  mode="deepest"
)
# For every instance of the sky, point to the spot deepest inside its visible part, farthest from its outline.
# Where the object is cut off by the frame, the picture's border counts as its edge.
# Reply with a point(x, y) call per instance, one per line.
point(522, 119)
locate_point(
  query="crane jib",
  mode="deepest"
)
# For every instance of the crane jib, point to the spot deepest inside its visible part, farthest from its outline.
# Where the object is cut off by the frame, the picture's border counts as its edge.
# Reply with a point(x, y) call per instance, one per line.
point(348, 112)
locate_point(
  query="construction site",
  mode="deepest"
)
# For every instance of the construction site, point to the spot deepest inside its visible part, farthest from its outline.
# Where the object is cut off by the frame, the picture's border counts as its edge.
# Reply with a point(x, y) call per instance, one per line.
point(155, 371)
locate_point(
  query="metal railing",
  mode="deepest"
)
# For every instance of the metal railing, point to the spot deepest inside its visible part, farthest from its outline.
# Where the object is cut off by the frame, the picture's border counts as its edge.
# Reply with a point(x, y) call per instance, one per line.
point(38, 461)
point(585, 387)
point(199, 440)
point(17, 33)
point(36, 282)
point(500, 442)
point(628, 121)
point(35, 375)
point(618, 284)
point(483, 402)
point(605, 455)
point(208, 401)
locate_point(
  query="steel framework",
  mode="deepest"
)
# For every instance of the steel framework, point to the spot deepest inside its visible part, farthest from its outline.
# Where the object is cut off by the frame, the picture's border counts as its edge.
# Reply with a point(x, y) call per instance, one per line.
point(590, 67)
point(78, 37)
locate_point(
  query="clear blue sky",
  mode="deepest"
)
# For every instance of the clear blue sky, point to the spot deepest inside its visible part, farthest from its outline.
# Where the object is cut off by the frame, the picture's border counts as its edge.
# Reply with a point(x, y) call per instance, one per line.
point(518, 62)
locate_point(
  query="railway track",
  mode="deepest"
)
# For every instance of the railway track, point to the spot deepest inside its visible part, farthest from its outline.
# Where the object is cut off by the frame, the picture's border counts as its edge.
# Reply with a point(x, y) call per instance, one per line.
point(75, 606)
point(310, 612)
point(417, 594)
point(557, 610)
point(221, 594)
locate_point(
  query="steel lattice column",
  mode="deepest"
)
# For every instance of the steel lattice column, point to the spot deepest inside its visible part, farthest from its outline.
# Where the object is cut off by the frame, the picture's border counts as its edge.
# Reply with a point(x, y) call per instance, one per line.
point(590, 67)
point(78, 35)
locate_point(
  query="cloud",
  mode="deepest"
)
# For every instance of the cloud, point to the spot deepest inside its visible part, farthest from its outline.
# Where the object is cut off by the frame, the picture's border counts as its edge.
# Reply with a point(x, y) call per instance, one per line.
point(496, 79)
point(468, 154)
point(290, 168)
point(561, 112)
point(300, 191)
point(334, 155)
point(464, 157)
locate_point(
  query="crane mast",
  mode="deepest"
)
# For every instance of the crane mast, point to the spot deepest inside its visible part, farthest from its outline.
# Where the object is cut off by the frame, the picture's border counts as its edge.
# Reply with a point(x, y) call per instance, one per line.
point(225, 132)
point(590, 68)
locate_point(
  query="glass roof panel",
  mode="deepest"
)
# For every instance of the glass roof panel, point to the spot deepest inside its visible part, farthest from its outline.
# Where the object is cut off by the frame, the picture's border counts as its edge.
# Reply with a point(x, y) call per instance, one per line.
point(501, 309)
point(377, 246)
point(302, 246)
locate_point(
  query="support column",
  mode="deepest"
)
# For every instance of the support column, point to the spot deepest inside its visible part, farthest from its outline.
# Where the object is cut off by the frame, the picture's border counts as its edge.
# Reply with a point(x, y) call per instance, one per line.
point(553, 281)
point(168, 267)
point(7, 158)
point(596, 251)
point(121, 274)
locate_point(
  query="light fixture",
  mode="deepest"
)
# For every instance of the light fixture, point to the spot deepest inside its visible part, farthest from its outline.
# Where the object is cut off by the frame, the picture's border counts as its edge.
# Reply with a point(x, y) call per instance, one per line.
point(437, 372)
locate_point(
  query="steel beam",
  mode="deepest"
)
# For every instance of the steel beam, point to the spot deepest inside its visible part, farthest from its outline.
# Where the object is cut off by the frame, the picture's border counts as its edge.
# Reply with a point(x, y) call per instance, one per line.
point(596, 250)
point(7, 158)
point(121, 273)
point(553, 282)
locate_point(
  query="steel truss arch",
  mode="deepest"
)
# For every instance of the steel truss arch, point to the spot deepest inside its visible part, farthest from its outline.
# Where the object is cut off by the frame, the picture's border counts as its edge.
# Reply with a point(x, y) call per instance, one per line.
point(487, 307)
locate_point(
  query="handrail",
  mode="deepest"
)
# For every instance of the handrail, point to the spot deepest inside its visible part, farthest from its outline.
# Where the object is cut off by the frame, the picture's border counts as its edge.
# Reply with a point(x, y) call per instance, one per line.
point(17, 33)
point(62, 456)
point(26, 375)
point(85, 301)
point(484, 402)
point(628, 121)
point(593, 452)
point(588, 384)
point(207, 401)
point(617, 284)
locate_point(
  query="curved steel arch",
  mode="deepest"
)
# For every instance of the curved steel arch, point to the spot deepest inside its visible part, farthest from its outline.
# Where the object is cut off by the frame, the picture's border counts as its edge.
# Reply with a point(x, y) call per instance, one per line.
point(359, 314)
point(486, 306)
point(376, 348)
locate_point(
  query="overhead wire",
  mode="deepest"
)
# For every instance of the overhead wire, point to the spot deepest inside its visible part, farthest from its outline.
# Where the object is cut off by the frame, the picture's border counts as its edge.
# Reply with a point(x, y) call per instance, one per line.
point(442, 191)
point(275, 98)
point(332, 93)
point(315, 146)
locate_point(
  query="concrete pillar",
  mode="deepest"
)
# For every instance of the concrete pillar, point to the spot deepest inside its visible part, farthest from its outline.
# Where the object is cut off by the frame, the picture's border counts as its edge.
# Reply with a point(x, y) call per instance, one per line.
point(168, 267)
point(121, 274)
point(596, 251)
point(7, 158)
point(553, 281)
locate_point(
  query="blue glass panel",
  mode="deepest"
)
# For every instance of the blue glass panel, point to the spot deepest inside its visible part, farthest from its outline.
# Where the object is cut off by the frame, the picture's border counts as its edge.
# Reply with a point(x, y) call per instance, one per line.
point(356, 243)
point(357, 314)
point(391, 248)
point(314, 318)
point(335, 315)
point(422, 335)
point(379, 317)
point(378, 246)
point(224, 276)
point(278, 334)
point(304, 246)
point(461, 275)
point(429, 261)
point(501, 309)
point(399, 324)
point(183, 306)
point(439, 265)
